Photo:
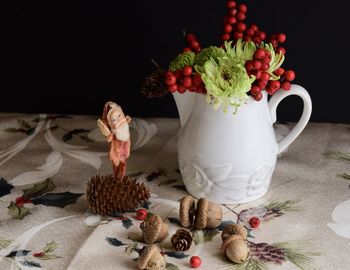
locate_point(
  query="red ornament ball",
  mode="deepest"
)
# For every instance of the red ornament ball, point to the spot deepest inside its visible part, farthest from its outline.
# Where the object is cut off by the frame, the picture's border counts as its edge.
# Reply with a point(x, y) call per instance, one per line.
point(141, 214)
point(254, 222)
point(195, 261)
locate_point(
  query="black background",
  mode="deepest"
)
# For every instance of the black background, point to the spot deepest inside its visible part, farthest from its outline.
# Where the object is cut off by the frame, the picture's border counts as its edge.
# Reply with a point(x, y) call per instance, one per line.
point(71, 57)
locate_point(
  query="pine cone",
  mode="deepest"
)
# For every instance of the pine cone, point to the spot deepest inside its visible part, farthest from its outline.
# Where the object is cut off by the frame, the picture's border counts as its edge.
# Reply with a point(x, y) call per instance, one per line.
point(267, 253)
point(182, 240)
point(106, 195)
point(153, 85)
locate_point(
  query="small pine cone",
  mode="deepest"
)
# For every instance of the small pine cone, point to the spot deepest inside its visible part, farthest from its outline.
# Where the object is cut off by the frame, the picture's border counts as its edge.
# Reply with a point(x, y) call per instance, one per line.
point(106, 195)
point(153, 85)
point(267, 253)
point(182, 240)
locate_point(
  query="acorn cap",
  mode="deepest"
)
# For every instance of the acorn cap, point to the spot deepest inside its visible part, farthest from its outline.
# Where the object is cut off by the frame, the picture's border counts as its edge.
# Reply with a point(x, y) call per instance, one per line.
point(201, 214)
point(153, 229)
point(233, 229)
point(146, 254)
point(229, 240)
point(187, 207)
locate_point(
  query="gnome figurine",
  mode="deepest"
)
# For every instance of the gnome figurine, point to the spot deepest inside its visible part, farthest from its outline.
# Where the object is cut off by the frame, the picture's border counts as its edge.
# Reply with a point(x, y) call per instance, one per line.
point(114, 125)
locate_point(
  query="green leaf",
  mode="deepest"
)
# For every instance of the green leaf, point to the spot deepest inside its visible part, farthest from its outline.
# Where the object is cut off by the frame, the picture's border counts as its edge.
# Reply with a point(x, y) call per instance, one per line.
point(131, 248)
point(30, 263)
point(17, 212)
point(5, 242)
point(175, 221)
point(136, 237)
point(50, 247)
point(23, 124)
point(170, 266)
point(127, 223)
point(57, 199)
point(12, 130)
point(177, 255)
point(206, 235)
point(225, 223)
point(39, 189)
point(18, 253)
point(69, 135)
point(5, 188)
point(114, 242)
point(289, 205)
point(48, 256)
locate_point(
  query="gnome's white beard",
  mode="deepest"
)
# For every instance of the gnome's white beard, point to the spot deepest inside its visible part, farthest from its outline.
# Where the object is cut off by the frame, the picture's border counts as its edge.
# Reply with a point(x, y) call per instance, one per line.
point(122, 133)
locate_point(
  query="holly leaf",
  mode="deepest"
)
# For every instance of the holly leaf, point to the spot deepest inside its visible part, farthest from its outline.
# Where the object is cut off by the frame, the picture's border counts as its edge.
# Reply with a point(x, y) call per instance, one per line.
point(179, 187)
point(5, 188)
point(17, 212)
point(48, 256)
point(69, 135)
point(175, 221)
point(167, 182)
point(130, 248)
point(39, 189)
point(136, 237)
point(170, 266)
point(177, 255)
point(18, 253)
point(114, 242)
point(127, 223)
point(206, 235)
point(57, 199)
point(146, 204)
point(50, 247)
point(12, 130)
point(23, 124)
point(225, 223)
point(30, 263)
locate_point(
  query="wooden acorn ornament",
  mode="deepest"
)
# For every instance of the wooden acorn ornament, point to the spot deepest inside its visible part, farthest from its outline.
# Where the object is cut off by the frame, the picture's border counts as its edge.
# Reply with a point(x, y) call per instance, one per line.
point(154, 229)
point(234, 245)
point(233, 229)
point(151, 259)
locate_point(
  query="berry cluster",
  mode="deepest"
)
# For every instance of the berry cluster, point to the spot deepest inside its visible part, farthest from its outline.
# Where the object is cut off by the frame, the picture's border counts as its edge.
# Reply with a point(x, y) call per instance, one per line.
point(234, 27)
point(183, 79)
point(192, 44)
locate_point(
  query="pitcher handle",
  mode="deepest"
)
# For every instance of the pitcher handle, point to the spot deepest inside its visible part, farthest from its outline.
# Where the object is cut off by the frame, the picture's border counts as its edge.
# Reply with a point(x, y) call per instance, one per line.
point(294, 133)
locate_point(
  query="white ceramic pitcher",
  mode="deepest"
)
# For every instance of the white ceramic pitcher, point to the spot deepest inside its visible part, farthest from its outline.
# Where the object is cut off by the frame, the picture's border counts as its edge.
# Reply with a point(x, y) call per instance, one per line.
point(230, 158)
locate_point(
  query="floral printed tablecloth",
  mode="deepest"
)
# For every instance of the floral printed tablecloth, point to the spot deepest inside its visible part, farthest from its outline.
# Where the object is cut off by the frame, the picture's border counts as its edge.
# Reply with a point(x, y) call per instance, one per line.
point(45, 223)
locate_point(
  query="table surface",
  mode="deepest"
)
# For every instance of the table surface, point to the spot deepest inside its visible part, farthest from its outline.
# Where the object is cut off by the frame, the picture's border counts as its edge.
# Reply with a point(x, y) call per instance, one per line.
point(45, 222)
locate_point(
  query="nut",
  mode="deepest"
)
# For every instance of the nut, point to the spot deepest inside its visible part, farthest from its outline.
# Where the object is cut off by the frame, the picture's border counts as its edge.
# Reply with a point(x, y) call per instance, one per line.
point(154, 229)
point(233, 229)
point(151, 259)
point(187, 210)
point(208, 214)
point(235, 248)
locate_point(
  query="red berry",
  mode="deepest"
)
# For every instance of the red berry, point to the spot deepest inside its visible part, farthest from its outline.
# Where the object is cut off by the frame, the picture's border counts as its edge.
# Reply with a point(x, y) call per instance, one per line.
point(187, 71)
point(198, 49)
point(258, 97)
point(257, 74)
point(246, 39)
point(262, 35)
point(190, 37)
point(170, 79)
point(231, 20)
point(19, 201)
point(178, 74)
point(201, 89)
point(275, 85)
point(290, 75)
point(281, 37)
point(240, 16)
point(279, 71)
point(281, 50)
point(249, 65)
point(197, 80)
point(265, 76)
point(194, 44)
point(39, 254)
point(270, 91)
point(241, 27)
point(265, 67)
point(181, 89)
point(255, 90)
point(259, 53)
point(274, 43)
point(195, 261)
point(254, 222)
point(228, 28)
point(262, 83)
point(192, 88)
point(286, 85)
point(172, 88)
point(141, 214)
point(225, 37)
point(237, 35)
point(231, 4)
point(187, 49)
point(232, 12)
point(187, 81)
point(266, 60)
point(257, 64)
point(250, 32)
point(257, 40)
point(243, 8)
point(254, 27)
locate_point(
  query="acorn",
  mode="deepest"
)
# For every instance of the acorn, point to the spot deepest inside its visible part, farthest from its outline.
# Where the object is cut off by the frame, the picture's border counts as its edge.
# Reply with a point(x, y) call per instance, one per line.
point(151, 259)
point(154, 229)
point(187, 211)
point(233, 229)
point(235, 248)
point(208, 215)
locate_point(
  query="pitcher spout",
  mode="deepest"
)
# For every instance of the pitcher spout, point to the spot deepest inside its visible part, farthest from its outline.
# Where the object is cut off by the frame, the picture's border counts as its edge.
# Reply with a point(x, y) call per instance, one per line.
point(184, 103)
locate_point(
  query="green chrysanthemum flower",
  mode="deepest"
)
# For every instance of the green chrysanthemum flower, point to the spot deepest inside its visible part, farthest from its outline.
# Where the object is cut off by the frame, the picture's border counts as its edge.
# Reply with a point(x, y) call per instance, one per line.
point(276, 60)
point(207, 53)
point(182, 60)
